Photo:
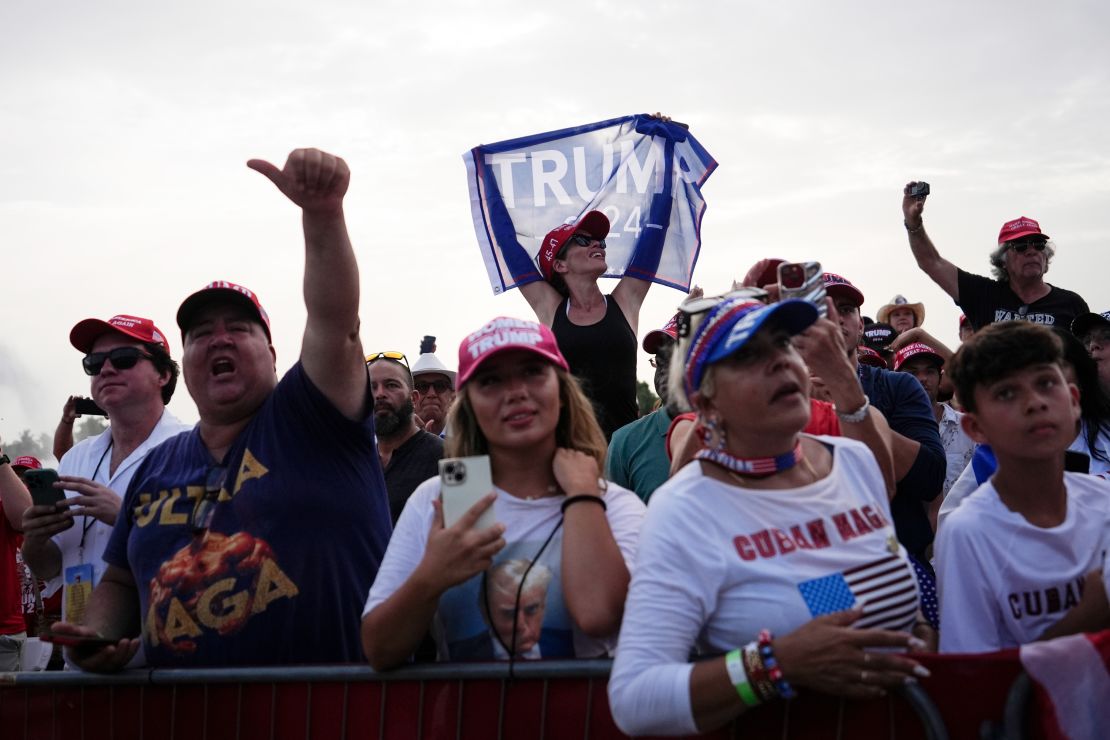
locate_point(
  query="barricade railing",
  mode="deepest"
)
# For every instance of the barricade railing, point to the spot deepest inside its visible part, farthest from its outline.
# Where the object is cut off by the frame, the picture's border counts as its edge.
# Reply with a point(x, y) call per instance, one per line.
point(543, 699)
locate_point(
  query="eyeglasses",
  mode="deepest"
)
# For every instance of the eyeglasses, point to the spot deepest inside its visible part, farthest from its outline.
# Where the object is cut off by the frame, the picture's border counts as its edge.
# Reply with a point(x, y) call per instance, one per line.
point(123, 358)
point(1021, 246)
point(584, 240)
point(206, 506)
point(440, 386)
point(395, 356)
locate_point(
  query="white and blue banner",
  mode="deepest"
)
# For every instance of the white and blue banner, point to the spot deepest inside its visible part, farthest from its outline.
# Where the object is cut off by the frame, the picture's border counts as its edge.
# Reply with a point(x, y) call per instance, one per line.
point(644, 173)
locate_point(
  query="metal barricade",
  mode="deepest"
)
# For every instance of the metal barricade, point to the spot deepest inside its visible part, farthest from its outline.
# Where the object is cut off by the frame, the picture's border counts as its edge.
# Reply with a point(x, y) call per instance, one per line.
point(543, 700)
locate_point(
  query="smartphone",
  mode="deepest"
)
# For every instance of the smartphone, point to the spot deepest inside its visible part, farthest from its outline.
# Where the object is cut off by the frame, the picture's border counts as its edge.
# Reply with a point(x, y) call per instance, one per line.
point(78, 641)
point(463, 482)
point(802, 280)
point(87, 407)
point(41, 485)
point(918, 190)
point(427, 344)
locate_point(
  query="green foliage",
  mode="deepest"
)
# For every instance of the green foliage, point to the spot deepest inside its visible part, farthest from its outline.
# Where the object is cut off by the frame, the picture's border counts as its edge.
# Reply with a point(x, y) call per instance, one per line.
point(89, 426)
point(645, 398)
point(27, 444)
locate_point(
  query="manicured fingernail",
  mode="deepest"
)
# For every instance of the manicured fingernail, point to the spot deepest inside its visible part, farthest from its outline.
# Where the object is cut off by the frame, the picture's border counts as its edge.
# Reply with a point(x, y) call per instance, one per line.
point(920, 670)
point(917, 643)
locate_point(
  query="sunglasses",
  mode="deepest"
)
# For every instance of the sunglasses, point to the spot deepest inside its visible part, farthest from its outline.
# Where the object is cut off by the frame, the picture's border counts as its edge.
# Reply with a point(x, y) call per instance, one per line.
point(395, 356)
point(1021, 246)
point(206, 506)
point(440, 386)
point(583, 240)
point(123, 358)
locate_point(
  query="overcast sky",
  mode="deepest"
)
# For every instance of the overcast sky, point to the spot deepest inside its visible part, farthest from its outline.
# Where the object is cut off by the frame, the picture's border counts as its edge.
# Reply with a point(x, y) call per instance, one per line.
point(126, 127)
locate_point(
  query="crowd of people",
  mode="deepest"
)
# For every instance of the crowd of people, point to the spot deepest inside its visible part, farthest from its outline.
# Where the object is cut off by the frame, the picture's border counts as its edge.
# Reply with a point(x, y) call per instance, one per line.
point(817, 497)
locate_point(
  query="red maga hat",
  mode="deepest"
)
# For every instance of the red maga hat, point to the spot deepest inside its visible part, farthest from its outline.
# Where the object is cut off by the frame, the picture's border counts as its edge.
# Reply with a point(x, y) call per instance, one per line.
point(85, 333)
point(1019, 227)
point(502, 335)
point(222, 290)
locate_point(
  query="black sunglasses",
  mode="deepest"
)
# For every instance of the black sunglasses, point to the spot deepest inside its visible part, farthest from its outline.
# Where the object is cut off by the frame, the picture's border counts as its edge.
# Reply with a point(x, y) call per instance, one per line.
point(584, 240)
point(123, 358)
point(441, 386)
point(1021, 246)
point(206, 506)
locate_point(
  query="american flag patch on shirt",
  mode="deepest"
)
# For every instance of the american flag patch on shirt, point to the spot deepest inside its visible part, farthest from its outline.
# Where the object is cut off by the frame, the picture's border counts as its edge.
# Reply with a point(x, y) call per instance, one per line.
point(886, 588)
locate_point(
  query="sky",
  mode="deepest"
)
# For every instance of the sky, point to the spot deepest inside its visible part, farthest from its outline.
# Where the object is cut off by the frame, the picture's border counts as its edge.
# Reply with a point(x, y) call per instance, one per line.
point(123, 185)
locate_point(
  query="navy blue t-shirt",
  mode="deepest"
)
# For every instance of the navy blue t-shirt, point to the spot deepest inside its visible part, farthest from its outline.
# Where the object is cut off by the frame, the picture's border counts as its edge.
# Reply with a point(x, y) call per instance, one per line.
point(904, 403)
point(296, 538)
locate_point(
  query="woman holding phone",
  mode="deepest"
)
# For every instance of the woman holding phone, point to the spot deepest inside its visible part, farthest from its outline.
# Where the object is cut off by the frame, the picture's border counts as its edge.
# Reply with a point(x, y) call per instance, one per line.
point(550, 577)
point(773, 553)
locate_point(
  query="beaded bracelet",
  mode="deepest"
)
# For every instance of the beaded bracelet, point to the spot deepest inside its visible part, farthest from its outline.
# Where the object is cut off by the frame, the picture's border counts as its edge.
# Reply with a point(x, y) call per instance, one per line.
point(757, 674)
point(767, 653)
point(738, 675)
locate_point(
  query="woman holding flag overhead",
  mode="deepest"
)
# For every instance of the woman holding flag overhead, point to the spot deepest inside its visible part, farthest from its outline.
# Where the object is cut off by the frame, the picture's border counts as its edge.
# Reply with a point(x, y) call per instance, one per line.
point(772, 554)
point(596, 332)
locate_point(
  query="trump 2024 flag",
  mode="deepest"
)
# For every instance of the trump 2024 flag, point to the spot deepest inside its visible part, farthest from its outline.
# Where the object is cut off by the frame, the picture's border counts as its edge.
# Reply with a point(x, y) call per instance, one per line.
point(642, 172)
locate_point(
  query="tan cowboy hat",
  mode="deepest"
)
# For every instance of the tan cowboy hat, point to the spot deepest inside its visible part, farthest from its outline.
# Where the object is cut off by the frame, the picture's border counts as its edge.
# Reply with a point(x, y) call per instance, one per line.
point(899, 301)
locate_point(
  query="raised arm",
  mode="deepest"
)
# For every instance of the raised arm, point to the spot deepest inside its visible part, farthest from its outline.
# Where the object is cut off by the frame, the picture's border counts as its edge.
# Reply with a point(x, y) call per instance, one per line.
point(331, 350)
point(629, 295)
point(543, 299)
point(15, 497)
point(943, 272)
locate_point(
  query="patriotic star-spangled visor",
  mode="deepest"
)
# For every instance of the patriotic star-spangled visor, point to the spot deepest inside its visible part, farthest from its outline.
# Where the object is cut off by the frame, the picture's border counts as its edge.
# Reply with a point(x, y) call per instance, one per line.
point(730, 325)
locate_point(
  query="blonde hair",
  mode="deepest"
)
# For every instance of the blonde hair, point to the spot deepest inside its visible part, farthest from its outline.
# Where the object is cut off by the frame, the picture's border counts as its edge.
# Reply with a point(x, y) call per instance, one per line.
point(577, 428)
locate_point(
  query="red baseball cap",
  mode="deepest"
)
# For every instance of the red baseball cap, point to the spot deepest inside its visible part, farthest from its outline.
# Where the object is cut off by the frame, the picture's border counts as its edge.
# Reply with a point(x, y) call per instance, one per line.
point(594, 223)
point(1019, 227)
point(86, 332)
point(656, 338)
point(764, 272)
point(26, 462)
point(913, 350)
point(869, 356)
point(502, 335)
point(836, 285)
point(221, 290)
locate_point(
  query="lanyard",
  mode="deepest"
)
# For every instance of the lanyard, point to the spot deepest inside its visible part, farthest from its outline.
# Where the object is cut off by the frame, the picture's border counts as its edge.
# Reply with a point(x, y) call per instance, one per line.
point(90, 520)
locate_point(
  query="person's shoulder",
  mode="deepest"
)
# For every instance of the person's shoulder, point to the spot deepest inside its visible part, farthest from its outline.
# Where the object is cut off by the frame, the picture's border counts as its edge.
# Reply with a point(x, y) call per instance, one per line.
point(621, 496)
point(426, 440)
point(979, 507)
point(1091, 492)
point(1065, 294)
point(680, 486)
point(639, 426)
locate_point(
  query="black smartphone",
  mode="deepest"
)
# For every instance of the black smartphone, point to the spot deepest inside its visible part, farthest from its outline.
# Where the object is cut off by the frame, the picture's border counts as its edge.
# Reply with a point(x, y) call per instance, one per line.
point(87, 407)
point(427, 344)
point(77, 641)
point(918, 190)
point(802, 280)
point(41, 485)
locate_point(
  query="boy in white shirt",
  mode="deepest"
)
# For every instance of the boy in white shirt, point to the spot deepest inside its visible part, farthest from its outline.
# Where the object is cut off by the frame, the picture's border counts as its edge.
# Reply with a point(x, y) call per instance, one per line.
point(1027, 548)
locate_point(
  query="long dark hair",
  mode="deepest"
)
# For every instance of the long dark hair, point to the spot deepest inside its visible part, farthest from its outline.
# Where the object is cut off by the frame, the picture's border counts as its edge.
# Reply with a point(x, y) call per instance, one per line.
point(1094, 404)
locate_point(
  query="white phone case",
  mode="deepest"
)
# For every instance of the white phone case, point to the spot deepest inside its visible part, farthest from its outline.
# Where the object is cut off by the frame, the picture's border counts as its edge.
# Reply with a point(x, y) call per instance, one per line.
point(463, 482)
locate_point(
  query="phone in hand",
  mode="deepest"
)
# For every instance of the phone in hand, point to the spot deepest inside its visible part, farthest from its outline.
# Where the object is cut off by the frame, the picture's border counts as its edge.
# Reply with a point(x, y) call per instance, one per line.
point(77, 641)
point(427, 344)
point(802, 280)
point(41, 485)
point(463, 482)
point(87, 407)
point(918, 190)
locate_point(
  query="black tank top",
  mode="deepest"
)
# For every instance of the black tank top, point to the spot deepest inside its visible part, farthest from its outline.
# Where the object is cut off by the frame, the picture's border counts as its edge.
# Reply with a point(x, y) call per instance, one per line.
point(603, 358)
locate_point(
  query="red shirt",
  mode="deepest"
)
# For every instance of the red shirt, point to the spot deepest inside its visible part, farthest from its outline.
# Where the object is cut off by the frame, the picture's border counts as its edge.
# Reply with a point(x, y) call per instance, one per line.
point(11, 600)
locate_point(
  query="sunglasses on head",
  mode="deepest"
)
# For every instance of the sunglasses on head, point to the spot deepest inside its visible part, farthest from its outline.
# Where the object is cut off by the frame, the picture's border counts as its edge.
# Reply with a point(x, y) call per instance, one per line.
point(123, 358)
point(440, 386)
point(1021, 246)
point(395, 356)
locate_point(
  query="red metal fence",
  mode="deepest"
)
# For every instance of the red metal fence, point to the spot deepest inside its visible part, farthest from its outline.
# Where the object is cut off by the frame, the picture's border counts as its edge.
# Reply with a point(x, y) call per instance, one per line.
point(546, 699)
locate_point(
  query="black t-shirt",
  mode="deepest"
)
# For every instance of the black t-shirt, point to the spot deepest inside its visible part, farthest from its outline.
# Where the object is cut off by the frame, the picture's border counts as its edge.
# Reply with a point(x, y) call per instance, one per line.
point(603, 358)
point(986, 301)
point(411, 464)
